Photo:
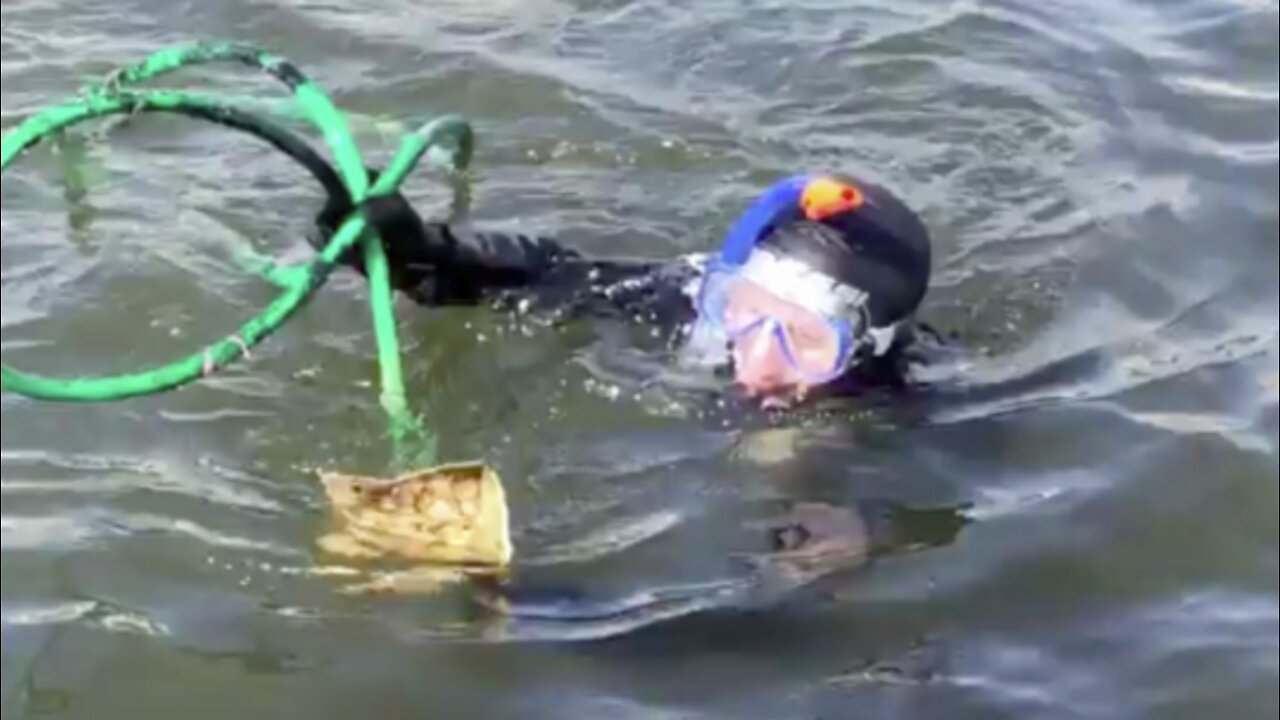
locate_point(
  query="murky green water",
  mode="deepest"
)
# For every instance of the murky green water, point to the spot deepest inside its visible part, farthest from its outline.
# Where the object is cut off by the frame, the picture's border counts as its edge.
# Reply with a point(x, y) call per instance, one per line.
point(1101, 177)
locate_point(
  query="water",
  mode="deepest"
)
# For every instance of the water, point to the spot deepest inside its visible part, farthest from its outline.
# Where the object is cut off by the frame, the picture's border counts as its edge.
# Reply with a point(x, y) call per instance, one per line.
point(1101, 178)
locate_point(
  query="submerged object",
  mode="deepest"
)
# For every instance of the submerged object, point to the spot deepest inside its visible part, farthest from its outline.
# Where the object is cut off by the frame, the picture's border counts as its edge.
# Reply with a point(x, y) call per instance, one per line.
point(452, 517)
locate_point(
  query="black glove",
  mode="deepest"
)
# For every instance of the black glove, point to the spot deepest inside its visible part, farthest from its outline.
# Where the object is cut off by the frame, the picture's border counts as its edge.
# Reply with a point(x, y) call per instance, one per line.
point(437, 264)
point(408, 240)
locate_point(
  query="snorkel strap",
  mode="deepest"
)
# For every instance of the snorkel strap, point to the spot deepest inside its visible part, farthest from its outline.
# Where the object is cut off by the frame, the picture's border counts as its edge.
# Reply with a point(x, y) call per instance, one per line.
point(766, 211)
point(798, 283)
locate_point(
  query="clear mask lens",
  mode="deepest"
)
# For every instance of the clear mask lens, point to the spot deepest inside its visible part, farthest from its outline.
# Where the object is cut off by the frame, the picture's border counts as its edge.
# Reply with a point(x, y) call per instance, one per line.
point(754, 320)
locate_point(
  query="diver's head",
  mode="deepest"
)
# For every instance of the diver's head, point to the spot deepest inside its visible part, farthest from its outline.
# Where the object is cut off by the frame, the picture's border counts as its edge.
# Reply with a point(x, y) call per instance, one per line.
point(826, 283)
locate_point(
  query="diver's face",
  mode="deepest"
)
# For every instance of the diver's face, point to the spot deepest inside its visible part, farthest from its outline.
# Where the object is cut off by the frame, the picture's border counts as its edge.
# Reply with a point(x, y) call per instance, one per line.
point(774, 342)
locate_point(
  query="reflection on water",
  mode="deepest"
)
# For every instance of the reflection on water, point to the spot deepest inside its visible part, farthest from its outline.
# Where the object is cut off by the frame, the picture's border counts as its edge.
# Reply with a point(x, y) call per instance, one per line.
point(776, 557)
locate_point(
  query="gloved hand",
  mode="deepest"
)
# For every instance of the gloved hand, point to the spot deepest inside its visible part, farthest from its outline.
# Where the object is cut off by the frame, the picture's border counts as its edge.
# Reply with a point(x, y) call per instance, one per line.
point(412, 245)
point(437, 264)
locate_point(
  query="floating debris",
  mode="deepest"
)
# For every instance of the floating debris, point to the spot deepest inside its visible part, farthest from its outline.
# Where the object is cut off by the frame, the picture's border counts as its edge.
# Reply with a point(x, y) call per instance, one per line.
point(450, 522)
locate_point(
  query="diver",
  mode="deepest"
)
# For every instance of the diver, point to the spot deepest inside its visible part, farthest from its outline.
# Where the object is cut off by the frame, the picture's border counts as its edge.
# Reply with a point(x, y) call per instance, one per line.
point(813, 293)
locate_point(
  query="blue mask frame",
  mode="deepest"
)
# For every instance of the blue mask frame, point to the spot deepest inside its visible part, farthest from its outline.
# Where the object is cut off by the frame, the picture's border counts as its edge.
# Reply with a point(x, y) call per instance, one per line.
point(768, 210)
point(709, 312)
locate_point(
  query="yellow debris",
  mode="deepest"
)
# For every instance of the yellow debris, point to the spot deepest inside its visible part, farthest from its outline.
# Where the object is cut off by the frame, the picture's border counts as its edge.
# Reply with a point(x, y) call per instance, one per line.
point(449, 520)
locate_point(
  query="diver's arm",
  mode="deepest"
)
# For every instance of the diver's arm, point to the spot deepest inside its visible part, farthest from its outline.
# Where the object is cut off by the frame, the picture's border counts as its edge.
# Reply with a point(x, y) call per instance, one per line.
point(441, 264)
point(453, 265)
point(438, 264)
point(540, 277)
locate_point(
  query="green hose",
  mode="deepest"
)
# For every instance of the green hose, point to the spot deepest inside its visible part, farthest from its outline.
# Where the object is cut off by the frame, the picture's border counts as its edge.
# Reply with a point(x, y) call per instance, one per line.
point(448, 140)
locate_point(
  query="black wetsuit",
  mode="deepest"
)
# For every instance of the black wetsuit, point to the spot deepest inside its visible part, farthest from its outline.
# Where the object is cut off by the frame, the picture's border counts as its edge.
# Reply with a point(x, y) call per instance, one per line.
point(437, 264)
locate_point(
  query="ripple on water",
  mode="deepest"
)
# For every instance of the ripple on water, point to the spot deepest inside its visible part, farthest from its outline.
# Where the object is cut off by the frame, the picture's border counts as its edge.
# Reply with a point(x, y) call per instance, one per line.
point(214, 417)
point(1128, 355)
point(93, 529)
point(1182, 653)
point(1246, 31)
point(612, 540)
point(68, 531)
point(46, 616)
point(15, 48)
point(38, 473)
point(95, 614)
point(586, 706)
point(1240, 431)
point(1220, 88)
point(1166, 658)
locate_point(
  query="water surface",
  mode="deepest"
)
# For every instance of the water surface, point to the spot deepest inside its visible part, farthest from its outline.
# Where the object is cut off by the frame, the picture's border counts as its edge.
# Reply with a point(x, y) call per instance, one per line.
point(1101, 180)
